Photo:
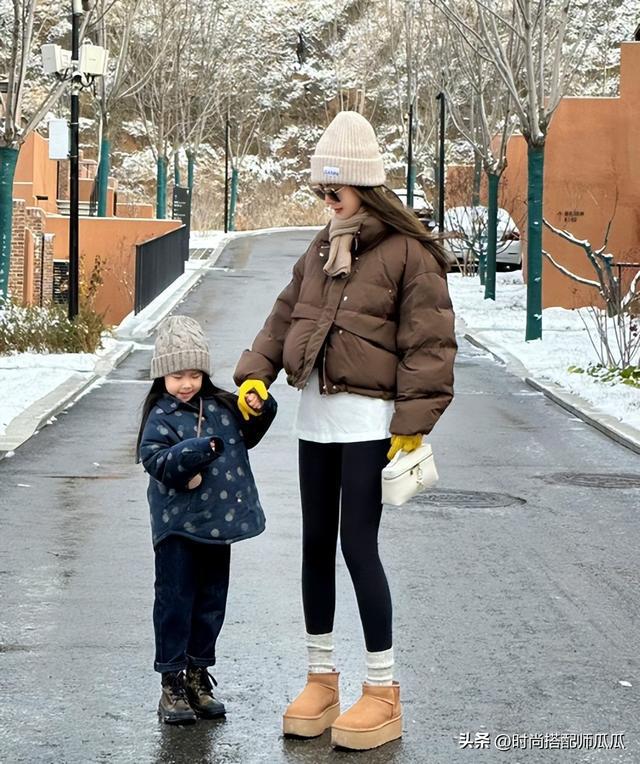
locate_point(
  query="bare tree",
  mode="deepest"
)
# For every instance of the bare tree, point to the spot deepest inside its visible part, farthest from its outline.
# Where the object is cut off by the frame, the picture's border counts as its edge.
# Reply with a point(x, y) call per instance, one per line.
point(114, 23)
point(199, 77)
point(480, 108)
point(156, 56)
point(24, 27)
point(617, 329)
point(415, 36)
point(536, 82)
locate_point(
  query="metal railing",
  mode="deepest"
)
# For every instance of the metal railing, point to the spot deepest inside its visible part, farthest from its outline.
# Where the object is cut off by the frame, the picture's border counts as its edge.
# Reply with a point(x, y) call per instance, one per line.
point(159, 262)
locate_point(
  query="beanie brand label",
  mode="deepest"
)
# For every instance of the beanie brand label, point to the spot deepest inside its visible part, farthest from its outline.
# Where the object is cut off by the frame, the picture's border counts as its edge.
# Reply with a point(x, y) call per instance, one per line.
point(334, 172)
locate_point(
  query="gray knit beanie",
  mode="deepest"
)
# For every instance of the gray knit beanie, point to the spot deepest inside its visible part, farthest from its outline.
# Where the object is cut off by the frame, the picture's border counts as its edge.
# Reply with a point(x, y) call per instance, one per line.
point(347, 154)
point(180, 344)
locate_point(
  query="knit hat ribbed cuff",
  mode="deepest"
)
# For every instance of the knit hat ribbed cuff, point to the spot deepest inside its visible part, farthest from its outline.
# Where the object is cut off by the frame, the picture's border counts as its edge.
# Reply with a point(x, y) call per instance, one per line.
point(347, 172)
point(179, 361)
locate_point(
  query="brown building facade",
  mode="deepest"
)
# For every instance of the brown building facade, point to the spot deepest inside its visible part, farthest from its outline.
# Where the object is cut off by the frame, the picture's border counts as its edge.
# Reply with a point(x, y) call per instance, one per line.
point(40, 236)
point(591, 177)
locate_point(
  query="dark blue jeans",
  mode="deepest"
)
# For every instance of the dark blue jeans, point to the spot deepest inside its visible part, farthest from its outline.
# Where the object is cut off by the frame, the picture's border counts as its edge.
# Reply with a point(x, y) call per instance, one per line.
point(192, 580)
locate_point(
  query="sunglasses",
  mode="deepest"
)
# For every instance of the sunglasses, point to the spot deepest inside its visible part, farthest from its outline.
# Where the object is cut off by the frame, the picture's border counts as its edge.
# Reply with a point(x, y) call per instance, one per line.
point(323, 191)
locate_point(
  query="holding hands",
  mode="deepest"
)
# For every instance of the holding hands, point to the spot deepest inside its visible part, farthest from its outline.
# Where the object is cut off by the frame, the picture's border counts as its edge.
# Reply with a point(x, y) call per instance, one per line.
point(251, 395)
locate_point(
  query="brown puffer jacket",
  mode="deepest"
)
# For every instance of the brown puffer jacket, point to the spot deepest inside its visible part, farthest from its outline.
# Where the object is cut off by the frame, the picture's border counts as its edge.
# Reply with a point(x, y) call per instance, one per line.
point(386, 330)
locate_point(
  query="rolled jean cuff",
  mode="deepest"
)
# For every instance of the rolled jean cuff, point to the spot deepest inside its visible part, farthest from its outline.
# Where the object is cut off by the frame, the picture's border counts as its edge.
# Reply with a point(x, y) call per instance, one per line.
point(163, 668)
point(201, 662)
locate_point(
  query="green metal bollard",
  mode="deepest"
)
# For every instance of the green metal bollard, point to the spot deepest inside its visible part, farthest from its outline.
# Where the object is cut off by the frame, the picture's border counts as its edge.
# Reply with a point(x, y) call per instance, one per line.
point(492, 242)
point(534, 242)
point(8, 161)
point(191, 162)
point(103, 176)
point(161, 188)
point(233, 200)
point(176, 168)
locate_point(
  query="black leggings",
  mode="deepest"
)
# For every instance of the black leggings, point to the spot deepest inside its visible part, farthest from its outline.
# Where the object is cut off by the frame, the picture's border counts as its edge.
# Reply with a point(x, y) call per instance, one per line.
point(325, 470)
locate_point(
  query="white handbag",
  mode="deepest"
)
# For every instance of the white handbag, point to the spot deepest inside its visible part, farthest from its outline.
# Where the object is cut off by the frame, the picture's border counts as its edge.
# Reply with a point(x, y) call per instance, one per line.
point(407, 474)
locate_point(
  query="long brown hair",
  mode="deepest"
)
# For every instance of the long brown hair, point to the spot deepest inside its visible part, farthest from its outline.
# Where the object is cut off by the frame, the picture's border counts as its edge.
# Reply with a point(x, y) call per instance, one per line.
point(386, 206)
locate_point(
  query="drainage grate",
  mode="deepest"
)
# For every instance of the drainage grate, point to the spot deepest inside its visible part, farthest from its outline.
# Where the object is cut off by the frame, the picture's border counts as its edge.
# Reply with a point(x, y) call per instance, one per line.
point(595, 480)
point(200, 253)
point(466, 499)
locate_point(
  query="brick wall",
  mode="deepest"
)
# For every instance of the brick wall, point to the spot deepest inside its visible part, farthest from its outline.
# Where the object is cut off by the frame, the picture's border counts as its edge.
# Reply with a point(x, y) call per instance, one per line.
point(47, 281)
point(30, 219)
point(43, 261)
point(16, 269)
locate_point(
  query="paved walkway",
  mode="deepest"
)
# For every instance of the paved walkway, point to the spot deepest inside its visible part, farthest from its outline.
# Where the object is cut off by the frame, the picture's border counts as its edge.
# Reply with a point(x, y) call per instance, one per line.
point(516, 592)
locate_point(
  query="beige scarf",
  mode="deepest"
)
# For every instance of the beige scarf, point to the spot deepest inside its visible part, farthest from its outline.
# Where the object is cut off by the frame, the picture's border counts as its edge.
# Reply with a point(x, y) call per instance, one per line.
point(341, 233)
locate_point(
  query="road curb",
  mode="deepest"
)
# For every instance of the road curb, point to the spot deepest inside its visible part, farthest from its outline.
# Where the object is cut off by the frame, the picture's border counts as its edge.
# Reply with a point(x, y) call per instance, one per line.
point(22, 427)
point(131, 329)
point(139, 327)
point(624, 434)
point(232, 235)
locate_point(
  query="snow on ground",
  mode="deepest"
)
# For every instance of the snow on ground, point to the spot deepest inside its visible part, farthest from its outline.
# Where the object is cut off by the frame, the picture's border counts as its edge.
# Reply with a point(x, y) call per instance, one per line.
point(27, 377)
point(565, 341)
point(206, 239)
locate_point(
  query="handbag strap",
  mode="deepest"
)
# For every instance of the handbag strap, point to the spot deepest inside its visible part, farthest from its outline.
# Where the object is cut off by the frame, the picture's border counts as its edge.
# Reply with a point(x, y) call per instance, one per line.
point(199, 420)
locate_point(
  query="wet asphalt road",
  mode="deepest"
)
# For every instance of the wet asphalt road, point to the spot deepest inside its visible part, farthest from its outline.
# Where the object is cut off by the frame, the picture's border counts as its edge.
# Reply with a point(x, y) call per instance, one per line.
point(516, 593)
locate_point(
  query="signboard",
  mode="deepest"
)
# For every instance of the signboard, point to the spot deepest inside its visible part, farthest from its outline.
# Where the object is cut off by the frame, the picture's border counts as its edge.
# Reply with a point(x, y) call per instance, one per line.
point(58, 139)
point(182, 205)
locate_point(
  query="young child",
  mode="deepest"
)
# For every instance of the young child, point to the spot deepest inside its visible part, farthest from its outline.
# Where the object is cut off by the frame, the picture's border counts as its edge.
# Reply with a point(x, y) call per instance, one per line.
point(193, 443)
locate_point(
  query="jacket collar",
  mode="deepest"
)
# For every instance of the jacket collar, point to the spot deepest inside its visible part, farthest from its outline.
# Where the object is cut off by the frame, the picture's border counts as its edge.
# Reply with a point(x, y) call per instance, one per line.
point(169, 404)
point(371, 233)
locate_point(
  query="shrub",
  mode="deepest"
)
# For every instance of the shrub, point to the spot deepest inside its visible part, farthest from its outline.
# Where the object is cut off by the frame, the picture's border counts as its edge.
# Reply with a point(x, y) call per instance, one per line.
point(35, 329)
point(48, 330)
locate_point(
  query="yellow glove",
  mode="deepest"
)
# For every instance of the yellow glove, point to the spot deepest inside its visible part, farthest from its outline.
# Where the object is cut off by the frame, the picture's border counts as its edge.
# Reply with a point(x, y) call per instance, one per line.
point(248, 386)
point(404, 443)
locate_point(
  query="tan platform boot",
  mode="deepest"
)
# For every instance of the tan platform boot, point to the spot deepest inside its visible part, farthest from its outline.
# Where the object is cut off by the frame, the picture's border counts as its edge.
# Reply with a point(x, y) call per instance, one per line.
point(372, 721)
point(316, 708)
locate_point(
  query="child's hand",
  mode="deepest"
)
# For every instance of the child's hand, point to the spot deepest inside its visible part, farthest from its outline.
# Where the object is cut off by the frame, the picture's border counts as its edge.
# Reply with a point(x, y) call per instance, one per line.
point(254, 401)
point(248, 388)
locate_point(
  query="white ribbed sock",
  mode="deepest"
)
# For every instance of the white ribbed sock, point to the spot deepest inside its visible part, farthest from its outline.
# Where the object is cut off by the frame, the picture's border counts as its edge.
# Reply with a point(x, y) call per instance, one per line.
point(320, 652)
point(380, 667)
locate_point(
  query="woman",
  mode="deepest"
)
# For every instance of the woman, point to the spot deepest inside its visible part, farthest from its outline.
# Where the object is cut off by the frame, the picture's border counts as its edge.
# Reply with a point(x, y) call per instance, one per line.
point(365, 328)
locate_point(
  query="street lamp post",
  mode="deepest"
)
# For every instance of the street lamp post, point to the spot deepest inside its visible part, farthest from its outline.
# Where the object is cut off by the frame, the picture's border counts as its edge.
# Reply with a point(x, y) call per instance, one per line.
point(441, 98)
point(410, 179)
point(76, 87)
point(80, 66)
point(226, 175)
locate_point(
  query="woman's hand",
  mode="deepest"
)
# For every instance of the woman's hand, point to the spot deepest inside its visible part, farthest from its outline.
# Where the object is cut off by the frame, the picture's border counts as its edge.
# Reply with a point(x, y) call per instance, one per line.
point(249, 397)
point(406, 443)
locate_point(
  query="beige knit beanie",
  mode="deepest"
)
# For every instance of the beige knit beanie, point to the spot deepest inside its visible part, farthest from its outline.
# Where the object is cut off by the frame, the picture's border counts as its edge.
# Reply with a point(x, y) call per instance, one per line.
point(347, 154)
point(180, 344)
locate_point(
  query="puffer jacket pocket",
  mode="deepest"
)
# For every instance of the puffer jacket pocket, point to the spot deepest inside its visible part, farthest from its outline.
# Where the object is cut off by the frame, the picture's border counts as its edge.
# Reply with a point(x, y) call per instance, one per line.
point(354, 361)
point(303, 322)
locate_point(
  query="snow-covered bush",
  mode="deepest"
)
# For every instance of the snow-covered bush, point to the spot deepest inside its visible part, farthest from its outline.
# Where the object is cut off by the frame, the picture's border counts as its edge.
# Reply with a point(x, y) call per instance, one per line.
point(35, 329)
point(32, 329)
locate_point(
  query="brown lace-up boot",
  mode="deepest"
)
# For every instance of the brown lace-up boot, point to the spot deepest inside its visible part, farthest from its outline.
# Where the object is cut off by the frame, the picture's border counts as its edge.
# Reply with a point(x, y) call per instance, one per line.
point(174, 707)
point(200, 693)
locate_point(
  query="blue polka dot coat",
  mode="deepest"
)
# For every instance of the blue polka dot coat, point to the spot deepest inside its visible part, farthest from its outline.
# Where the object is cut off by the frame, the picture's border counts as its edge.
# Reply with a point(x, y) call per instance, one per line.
point(225, 507)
